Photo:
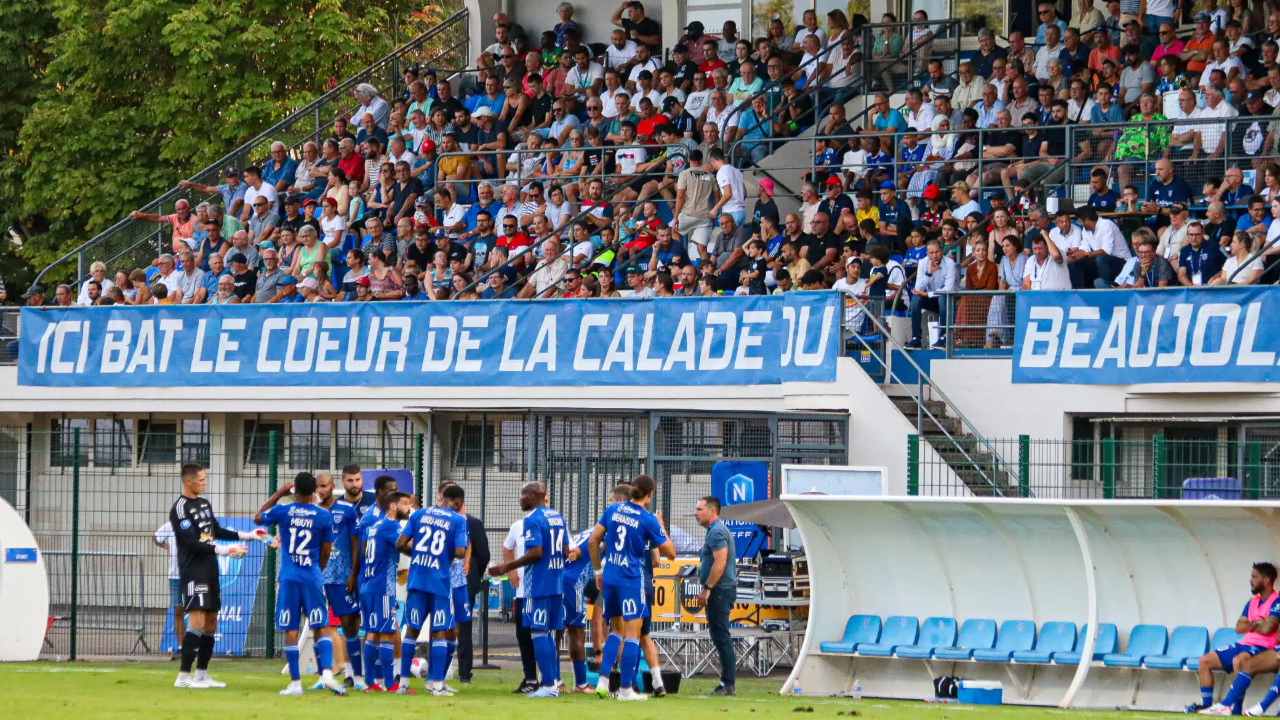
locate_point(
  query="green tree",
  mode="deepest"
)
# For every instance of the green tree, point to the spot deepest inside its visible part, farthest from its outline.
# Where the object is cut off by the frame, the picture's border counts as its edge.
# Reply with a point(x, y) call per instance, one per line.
point(142, 93)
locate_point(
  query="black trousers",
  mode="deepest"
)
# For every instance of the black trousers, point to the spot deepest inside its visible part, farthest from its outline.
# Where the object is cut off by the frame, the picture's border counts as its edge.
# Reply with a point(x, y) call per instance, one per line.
point(524, 639)
point(466, 646)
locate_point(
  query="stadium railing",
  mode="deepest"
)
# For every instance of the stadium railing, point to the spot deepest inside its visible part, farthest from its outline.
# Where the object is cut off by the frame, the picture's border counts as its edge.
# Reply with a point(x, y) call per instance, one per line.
point(1110, 468)
point(135, 243)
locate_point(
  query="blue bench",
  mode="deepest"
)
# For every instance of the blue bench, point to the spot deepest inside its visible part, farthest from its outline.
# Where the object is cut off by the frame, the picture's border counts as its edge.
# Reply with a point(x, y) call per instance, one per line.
point(1185, 644)
point(1107, 642)
point(899, 631)
point(860, 630)
point(1144, 641)
point(975, 634)
point(1222, 637)
point(934, 633)
point(1014, 635)
point(1054, 637)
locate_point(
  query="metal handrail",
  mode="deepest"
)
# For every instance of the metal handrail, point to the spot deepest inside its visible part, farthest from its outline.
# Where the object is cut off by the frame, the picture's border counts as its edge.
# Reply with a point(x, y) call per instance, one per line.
point(922, 378)
point(237, 157)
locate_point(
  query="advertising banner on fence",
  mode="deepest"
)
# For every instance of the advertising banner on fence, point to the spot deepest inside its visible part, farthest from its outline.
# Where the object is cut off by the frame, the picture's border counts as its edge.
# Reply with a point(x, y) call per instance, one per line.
point(1120, 337)
point(734, 482)
point(670, 341)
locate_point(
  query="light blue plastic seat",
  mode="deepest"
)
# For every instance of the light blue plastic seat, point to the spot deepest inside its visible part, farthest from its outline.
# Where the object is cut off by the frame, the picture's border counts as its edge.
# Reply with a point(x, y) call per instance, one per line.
point(860, 629)
point(975, 634)
point(1054, 637)
point(1185, 643)
point(1144, 641)
point(1108, 641)
point(899, 630)
point(1015, 635)
point(934, 633)
point(1222, 637)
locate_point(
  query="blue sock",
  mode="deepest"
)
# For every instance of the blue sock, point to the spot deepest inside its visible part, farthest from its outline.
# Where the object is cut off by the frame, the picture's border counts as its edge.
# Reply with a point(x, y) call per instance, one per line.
point(436, 670)
point(579, 672)
point(371, 667)
point(291, 656)
point(451, 647)
point(544, 651)
point(324, 654)
point(407, 646)
point(1238, 688)
point(630, 661)
point(1271, 695)
point(353, 654)
point(1206, 696)
point(387, 654)
point(609, 656)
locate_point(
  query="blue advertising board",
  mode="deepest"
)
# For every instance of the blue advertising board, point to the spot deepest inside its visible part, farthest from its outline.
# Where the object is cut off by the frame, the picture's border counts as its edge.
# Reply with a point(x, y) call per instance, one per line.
point(1123, 337)
point(669, 341)
point(734, 482)
point(238, 581)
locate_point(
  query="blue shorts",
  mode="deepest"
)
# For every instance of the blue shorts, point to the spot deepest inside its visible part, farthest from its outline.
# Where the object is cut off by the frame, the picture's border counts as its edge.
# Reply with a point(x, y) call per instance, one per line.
point(1228, 654)
point(544, 613)
point(377, 613)
point(625, 601)
point(175, 592)
point(461, 605)
point(296, 600)
point(341, 602)
point(424, 608)
point(575, 608)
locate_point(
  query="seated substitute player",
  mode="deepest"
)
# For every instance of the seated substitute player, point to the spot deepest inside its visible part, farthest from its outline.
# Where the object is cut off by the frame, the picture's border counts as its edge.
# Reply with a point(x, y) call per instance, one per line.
point(544, 540)
point(379, 559)
point(1255, 653)
point(341, 575)
point(433, 537)
point(306, 535)
point(195, 531)
point(579, 591)
point(627, 530)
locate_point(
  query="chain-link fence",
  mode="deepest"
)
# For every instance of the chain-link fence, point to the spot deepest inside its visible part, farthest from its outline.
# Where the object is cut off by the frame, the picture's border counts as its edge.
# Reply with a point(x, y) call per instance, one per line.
point(1156, 467)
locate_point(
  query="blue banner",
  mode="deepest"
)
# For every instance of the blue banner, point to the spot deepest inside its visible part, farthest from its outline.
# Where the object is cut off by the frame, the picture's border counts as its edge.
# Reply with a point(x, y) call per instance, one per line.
point(1124, 337)
point(238, 583)
point(670, 341)
point(734, 482)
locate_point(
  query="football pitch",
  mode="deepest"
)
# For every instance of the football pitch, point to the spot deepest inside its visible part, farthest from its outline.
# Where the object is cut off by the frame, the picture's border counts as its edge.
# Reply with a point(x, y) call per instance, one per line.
point(144, 690)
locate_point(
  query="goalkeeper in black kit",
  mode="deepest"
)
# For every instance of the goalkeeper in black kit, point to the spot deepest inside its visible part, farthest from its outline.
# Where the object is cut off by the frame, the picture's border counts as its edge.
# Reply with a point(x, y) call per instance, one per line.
point(196, 531)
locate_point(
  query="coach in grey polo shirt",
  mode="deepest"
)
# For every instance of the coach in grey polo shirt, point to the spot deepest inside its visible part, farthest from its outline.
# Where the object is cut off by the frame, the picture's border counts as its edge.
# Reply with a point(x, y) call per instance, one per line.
point(718, 573)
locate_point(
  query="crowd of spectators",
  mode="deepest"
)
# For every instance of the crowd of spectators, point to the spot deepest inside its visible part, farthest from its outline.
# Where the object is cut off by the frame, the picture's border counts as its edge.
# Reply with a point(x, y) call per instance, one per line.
point(566, 169)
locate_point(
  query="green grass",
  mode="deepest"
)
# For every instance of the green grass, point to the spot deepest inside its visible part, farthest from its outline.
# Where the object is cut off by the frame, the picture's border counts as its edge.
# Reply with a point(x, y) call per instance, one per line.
point(144, 690)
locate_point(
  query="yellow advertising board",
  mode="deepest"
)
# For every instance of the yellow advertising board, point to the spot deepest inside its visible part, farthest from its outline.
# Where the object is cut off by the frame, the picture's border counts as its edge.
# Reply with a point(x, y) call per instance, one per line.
point(667, 576)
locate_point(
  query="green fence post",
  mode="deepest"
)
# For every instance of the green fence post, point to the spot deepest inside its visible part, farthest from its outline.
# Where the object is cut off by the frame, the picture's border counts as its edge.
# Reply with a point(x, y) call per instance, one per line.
point(913, 464)
point(273, 479)
point(75, 540)
point(1109, 468)
point(419, 481)
point(1157, 466)
point(1024, 466)
point(1254, 472)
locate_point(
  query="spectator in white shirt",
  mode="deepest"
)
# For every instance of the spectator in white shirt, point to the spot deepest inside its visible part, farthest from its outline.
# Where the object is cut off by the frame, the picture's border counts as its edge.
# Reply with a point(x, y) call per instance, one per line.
point(1052, 50)
point(1215, 106)
point(1046, 269)
point(1223, 60)
point(98, 274)
point(620, 50)
point(368, 96)
point(936, 274)
point(1066, 235)
point(1102, 252)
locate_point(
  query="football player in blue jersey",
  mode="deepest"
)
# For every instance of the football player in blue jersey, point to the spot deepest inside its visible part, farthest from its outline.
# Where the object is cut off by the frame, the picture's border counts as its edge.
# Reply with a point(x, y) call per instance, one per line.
point(353, 489)
point(457, 583)
point(627, 530)
point(577, 579)
point(340, 578)
point(545, 533)
point(433, 537)
point(306, 540)
point(378, 563)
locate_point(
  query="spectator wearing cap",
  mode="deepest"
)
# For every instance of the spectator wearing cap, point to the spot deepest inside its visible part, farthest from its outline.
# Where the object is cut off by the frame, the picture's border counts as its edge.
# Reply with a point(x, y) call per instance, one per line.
point(765, 206)
point(1197, 51)
point(293, 218)
point(231, 190)
point(1102, 49)
point(288, 291)
point(244, 278)
point(682, 68)
point(1048, 15)
point(895, 214)
point(1137, 78)
point(693, 39)
point(935, 275)
point(182, 221)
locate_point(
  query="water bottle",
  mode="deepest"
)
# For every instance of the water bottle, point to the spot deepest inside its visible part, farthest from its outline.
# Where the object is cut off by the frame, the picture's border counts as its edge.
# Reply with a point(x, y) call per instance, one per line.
point(795, 688)
point(857, 691)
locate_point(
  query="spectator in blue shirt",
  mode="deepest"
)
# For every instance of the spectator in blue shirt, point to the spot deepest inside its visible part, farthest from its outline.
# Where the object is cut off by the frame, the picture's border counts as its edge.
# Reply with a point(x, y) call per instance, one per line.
point(1257, 221)
point(231, 191)
point(1165, 190)
point(755, 124)
point(1101, 195)
point(278, 172)
point(486, 203)
point(216, 270)
point(1048, 16)
point(885, 118)
point(895, 215)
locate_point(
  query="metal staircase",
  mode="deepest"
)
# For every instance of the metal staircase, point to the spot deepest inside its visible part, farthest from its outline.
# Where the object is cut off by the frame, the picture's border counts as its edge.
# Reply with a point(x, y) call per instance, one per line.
point(135, 243)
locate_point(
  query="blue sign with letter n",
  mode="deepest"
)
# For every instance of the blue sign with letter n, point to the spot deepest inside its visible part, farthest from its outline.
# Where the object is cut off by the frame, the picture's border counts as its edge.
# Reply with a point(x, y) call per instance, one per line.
point(734, 482)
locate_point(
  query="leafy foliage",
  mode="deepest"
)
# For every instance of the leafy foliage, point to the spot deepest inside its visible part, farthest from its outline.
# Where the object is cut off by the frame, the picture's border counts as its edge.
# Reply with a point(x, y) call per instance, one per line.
point(133, 95)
